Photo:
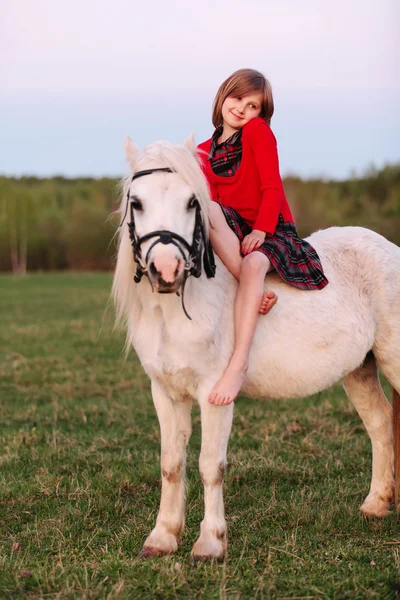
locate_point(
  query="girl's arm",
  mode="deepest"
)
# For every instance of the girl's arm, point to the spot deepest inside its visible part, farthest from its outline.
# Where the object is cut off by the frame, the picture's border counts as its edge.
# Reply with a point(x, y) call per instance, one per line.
point(273, 196)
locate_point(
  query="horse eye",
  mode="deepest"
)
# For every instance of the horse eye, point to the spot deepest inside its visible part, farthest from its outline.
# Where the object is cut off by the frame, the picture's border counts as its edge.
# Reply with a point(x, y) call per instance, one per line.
point(136, 203)
point(193, 202)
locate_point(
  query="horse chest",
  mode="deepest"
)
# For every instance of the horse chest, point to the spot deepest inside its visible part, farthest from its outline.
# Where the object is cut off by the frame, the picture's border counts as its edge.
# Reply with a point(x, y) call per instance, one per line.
point(171, 348)
point(180, 348)
point(177, 368)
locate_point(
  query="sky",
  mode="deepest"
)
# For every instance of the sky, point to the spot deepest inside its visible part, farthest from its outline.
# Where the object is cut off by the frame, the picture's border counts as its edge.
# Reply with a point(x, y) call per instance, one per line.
point(76, 76)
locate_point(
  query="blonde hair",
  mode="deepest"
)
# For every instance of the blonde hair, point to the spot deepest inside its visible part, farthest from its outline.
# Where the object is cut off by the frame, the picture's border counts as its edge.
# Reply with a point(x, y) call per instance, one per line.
point(240, 83)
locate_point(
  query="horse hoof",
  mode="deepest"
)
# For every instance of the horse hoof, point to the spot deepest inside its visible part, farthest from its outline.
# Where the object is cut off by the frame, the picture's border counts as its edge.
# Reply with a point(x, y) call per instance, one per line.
point(203, 559)
point(375, 506)
point(209, 548)
point(379, 513)
point(148, 552)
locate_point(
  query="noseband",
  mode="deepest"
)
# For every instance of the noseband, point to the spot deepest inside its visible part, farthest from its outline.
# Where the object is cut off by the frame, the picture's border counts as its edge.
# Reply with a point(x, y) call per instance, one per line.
point(192, 260)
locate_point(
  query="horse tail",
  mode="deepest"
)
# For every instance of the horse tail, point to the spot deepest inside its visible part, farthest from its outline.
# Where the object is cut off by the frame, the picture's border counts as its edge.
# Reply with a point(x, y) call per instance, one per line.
point(396, 440)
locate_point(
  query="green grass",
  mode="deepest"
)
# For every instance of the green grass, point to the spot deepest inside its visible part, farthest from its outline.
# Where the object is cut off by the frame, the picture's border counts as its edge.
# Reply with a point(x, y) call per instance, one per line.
point(80, 481)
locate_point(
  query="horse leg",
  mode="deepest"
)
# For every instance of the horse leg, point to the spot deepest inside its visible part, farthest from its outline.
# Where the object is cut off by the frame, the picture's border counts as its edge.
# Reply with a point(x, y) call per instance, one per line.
point(216, 422)
point(365, 392)
point(175, 426)
point(387, 354)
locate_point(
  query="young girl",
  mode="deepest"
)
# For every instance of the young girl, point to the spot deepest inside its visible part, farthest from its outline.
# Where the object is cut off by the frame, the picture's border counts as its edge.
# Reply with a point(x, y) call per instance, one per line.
point(252, 229)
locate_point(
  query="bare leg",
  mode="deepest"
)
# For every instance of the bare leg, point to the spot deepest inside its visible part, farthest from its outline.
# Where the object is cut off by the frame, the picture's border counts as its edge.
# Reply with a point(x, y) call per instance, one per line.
point(227, 246)
point(175, 425)
point(215, 429)
point(248, 299)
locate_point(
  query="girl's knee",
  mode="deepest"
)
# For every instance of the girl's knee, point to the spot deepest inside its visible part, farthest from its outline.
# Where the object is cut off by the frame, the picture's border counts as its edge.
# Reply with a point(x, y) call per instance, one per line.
point(256, 263)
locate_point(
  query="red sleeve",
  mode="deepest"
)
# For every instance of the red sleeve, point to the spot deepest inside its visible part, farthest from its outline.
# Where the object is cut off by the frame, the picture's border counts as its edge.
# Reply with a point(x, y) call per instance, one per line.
point(263, 144)
point(205, 167)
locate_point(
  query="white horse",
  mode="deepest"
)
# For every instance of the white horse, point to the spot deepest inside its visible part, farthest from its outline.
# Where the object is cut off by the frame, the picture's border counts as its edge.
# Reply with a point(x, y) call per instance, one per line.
point(309, 341)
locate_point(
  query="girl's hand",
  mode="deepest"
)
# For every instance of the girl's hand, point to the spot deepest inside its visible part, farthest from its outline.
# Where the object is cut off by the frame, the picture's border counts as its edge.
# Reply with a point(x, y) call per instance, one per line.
point(252, 241)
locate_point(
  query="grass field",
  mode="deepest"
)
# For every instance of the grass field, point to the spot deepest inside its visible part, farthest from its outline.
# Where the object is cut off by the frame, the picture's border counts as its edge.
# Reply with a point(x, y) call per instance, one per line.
point(80, 481)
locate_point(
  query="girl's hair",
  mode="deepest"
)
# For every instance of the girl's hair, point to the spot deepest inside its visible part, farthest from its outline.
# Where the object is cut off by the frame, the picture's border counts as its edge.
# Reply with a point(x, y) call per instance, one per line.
point(241, 83)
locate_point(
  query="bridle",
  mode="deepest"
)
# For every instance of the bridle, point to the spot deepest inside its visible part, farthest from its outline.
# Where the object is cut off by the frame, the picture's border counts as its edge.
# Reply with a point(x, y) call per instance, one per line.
point(192, 260)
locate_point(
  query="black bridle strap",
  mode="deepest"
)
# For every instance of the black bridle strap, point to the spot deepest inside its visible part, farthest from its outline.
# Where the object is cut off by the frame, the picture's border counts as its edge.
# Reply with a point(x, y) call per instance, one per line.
point(164, 237)
point(161, 241)
point(150, 171)
point(208, 256)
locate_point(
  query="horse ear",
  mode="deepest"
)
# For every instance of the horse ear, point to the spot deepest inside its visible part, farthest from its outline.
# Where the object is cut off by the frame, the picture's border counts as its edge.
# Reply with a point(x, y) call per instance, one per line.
point(190, 144)
point(131, 151)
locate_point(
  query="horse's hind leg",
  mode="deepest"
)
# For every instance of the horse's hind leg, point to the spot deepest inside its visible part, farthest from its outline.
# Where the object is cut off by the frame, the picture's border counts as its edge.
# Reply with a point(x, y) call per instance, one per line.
point(365, 392)
point(387, 352)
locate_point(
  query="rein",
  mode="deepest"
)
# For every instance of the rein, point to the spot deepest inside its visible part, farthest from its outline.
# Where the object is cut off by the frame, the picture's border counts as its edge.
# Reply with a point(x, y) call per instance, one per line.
point(193, 259)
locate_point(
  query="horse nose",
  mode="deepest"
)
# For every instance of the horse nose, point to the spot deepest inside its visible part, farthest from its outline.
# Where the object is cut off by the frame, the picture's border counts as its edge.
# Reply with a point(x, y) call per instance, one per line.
point(166, 268)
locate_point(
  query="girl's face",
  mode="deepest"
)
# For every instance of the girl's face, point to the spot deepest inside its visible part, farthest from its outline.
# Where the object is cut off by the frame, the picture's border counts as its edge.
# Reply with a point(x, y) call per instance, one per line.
point(239, 110)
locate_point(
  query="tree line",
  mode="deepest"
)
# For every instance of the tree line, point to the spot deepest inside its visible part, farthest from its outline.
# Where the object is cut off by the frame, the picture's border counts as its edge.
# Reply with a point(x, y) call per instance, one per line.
point(61, 223)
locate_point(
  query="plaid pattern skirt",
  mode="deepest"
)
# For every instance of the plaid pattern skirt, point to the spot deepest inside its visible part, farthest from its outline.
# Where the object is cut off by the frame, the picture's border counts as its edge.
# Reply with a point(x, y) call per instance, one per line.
point(294, 259)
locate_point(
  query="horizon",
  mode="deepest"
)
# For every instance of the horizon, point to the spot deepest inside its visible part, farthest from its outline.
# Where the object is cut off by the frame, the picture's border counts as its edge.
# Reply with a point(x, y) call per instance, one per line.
point(369, 171)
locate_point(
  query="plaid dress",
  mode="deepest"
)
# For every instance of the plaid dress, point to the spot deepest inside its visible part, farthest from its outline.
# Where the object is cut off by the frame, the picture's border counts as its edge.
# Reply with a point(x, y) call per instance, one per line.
point(225, 158)
point(294, 259)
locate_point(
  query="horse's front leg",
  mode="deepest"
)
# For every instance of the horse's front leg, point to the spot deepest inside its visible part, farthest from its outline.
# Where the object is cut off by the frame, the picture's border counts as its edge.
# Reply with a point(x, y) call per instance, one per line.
point(175, 425)
point(216, 422)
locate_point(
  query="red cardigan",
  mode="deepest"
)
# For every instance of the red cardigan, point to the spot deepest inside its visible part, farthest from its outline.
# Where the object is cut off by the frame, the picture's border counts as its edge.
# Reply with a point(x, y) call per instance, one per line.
point(255, 191)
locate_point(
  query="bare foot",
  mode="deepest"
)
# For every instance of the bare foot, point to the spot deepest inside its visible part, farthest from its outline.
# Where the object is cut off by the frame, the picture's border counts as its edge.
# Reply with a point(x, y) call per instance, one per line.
point(269, 300)
point(228, 387)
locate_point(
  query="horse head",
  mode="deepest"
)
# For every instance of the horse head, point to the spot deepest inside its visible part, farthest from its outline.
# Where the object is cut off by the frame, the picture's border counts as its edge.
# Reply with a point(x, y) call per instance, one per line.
point(167, 213)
